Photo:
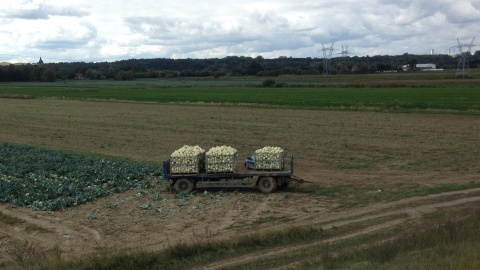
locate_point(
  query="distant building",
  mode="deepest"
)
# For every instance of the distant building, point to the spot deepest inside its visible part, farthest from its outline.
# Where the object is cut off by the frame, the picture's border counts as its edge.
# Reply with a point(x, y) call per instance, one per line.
point(404, 68)
point(79, 76)
point(425, 66)
point(40, 62)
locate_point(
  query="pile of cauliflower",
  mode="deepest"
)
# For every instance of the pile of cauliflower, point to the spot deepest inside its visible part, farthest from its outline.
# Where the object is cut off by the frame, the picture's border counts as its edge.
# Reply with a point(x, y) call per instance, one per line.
point(269, 158)
point(221, 159)
point(187, 159)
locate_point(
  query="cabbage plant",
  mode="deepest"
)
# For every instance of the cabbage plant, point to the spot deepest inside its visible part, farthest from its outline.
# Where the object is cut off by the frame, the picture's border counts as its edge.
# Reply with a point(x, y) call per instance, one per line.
point(45, 179)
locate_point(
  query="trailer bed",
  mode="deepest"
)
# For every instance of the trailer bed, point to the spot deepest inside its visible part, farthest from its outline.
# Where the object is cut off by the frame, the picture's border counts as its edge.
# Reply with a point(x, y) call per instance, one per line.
point(186, 182)
point(231, 175)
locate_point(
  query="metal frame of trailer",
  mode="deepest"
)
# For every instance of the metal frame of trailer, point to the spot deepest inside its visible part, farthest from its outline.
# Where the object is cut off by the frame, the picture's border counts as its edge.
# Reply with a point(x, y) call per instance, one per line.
point(266, 181)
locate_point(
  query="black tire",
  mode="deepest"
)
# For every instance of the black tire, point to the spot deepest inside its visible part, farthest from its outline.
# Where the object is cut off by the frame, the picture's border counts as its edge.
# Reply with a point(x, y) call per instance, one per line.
point(183, 185)
point(267, 184)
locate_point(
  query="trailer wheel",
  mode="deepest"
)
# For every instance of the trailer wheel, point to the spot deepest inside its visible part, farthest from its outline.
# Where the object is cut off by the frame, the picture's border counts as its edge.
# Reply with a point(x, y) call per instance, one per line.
point(267, 184)
point(183, 185)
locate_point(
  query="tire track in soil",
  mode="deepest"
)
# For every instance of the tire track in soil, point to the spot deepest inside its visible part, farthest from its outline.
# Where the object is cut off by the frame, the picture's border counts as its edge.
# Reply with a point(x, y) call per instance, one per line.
point(53, 231)
point(352, 216)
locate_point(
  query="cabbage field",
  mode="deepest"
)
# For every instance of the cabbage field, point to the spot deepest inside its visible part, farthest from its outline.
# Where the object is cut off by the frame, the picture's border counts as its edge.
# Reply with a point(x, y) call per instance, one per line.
point(44, 179)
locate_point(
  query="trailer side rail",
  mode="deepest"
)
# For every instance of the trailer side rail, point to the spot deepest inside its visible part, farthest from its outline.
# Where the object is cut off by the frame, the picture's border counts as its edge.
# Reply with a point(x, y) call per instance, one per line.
point(168, 175)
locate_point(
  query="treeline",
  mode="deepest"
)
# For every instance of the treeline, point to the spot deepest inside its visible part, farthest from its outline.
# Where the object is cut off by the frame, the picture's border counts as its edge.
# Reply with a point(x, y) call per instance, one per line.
point(216, 67)
point(27, 73)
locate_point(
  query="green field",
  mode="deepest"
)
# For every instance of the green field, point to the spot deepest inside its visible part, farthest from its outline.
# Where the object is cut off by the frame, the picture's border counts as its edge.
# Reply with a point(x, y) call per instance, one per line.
point(373, 92)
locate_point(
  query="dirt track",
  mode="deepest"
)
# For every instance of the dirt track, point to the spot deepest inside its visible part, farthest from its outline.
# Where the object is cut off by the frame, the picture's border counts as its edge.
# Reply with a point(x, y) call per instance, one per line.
point(417, 206)
point(331, 148)
point(93, 227)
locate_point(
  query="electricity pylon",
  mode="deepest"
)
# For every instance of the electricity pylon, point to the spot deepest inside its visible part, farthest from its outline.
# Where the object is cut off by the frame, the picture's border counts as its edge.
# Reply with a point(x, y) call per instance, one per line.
point(327, 56)
point(464, 50)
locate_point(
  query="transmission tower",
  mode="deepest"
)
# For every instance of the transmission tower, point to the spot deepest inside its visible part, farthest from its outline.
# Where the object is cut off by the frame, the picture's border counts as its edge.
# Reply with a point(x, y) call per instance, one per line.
point(343, 65)
point(345, 52)
point(327, 56)
point(464, 50)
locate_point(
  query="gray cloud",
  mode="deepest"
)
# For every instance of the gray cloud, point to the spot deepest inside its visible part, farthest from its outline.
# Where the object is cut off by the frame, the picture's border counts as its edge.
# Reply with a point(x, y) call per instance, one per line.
point(67, 38)
point(460, 11)
point(125, 29)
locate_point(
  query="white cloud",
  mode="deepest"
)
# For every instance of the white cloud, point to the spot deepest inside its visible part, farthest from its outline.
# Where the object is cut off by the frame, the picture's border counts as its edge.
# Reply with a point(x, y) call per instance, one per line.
point(113, 30)
point(38, 10)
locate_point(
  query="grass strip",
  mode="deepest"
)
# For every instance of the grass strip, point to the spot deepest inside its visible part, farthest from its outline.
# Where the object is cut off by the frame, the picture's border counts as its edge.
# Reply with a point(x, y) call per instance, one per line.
point(182, 254)
point(326, 247)
point(452, 244)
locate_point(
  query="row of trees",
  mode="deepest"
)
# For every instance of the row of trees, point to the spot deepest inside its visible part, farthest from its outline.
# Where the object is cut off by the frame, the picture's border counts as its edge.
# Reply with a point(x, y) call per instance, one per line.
point(26, 73)
point(231, 65)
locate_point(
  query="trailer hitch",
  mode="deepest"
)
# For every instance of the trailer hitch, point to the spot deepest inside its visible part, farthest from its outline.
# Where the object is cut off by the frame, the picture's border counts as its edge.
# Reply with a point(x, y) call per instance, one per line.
point(299, 180)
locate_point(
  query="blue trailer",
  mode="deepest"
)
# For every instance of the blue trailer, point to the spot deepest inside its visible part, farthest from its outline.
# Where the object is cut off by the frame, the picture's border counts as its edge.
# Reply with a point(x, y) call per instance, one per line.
point(265, 181)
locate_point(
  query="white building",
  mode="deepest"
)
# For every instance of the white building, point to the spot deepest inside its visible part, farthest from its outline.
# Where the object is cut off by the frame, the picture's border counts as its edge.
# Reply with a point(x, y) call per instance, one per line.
point(426, 66)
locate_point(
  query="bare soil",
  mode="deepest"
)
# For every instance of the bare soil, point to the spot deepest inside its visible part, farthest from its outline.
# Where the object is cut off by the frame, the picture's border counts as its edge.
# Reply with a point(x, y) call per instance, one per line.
point(330, 148)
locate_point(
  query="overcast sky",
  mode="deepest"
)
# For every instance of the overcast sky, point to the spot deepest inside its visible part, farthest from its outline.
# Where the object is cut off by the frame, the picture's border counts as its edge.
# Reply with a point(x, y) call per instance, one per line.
point(109, 30)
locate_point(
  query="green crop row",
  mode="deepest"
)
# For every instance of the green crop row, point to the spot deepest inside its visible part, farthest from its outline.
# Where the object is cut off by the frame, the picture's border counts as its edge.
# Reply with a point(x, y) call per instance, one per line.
point(44, 179)
point(351, 94)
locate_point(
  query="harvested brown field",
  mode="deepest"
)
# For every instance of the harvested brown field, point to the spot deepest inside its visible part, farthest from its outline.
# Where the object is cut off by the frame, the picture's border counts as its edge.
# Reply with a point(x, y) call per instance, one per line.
point(330, 147)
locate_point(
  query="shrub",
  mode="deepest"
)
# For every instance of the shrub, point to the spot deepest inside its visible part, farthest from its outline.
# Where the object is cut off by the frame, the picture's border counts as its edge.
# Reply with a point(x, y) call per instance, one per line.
point(268, 83)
